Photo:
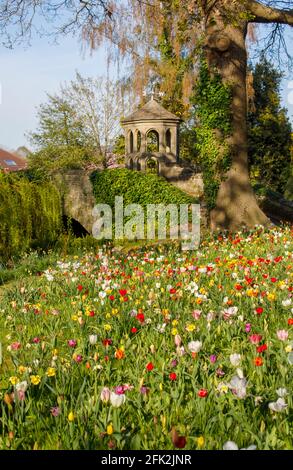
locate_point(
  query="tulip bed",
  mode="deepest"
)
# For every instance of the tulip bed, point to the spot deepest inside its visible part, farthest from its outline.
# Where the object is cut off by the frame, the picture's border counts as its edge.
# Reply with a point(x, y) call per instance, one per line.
point(152, 349)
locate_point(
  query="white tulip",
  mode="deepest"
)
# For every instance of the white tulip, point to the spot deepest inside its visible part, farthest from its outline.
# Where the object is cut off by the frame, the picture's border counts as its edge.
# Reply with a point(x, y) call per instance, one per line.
point(117, 400)
point(230, 445)
point(21, 386)
point(235, 359)
point(195, 346)
point(93, 339)
point(282, 392)
point(278, 405)
point(238, 386)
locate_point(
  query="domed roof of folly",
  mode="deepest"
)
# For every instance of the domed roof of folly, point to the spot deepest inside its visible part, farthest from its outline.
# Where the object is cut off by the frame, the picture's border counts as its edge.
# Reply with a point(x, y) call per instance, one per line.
point(151, 111)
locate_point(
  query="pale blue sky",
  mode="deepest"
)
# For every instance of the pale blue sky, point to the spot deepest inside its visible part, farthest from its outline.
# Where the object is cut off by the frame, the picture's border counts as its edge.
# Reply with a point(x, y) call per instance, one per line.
point(27, 74)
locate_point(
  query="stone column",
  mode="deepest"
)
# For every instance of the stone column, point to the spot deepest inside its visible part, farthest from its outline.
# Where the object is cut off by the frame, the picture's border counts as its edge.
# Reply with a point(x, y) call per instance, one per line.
point(174, 141)
point(143, 142)
point(126, 141)
point(162, 140)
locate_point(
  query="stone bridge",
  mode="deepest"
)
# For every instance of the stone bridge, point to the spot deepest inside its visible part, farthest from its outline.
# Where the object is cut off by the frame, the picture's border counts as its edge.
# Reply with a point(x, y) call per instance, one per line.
point(77, 196)
point(78, 199)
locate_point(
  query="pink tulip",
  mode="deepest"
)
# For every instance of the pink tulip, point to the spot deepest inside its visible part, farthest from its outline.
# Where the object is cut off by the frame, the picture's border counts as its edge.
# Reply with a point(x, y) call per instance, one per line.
point(248, 327)
point(255, 339)
point(196, 314)
point(105, 394)
point(78, 358)
point(282, 335)
point(177, 340)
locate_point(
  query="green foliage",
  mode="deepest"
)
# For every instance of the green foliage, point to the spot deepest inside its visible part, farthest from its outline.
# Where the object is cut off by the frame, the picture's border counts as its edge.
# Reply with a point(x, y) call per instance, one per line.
point(36, 261)
point(35, 175)
point(269, 130)
point(212, 103)
point(188, 143)
point(54, 158)
point(119, 145)
point(152, 142)
point(59, 125)
point(289, 189)
point(126, 296)
point(30, 214)
point(136, 188)
point(62, 139)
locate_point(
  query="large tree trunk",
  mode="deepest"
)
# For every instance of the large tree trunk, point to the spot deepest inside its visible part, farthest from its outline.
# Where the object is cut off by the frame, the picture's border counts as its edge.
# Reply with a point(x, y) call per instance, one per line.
point(236, 205)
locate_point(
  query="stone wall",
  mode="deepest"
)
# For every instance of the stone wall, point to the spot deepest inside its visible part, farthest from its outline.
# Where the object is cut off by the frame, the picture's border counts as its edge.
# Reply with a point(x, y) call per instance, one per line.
point(192, 184)
point(77, 196)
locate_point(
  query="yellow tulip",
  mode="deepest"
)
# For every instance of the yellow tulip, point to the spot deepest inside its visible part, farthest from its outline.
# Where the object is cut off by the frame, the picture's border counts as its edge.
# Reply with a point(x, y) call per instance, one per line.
point(35, 379)
point(13, 380)
point(110, 429)
point(51, 372)
point(200, 441)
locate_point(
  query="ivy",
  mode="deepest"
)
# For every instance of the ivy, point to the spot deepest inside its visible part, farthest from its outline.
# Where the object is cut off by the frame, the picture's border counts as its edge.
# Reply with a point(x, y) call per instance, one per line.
point(136, 188)
point(212, 104)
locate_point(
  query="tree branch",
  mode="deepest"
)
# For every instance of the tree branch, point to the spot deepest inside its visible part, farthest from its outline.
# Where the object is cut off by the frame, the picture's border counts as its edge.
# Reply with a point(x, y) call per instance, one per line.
point(265, 14)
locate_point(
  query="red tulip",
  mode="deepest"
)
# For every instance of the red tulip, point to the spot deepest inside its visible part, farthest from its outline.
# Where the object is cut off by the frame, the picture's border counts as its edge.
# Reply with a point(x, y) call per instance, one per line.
point(202, 393)
point(178, 441)
point(259, 310)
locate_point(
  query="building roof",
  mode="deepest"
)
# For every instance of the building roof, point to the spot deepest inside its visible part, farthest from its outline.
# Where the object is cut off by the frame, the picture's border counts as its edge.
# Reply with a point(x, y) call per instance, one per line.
point(151, 111)
point(11, 162)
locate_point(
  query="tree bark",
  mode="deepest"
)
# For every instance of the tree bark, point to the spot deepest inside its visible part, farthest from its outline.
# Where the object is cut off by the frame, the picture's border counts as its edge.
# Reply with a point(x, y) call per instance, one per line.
point(236, 205)
point(265, 14)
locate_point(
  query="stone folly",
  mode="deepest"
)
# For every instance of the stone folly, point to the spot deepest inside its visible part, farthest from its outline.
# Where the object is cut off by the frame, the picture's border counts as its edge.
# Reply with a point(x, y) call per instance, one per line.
point(152, 139)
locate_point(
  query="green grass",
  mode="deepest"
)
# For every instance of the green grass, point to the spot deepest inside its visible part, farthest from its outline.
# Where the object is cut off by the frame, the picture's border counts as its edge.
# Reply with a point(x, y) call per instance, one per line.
point(131, 308)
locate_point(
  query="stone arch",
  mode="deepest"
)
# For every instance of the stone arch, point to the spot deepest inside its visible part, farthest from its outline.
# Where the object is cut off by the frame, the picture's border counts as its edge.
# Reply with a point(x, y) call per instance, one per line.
point(74, 227)
point(152, 166)
point(138, 165)
point(168, 140)
point(138, 141)
point(130, 164)
point(130, 141)
point(152, 140)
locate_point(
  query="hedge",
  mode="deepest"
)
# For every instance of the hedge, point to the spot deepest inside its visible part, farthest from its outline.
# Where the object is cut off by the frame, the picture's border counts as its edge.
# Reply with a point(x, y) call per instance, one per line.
point(136, 188)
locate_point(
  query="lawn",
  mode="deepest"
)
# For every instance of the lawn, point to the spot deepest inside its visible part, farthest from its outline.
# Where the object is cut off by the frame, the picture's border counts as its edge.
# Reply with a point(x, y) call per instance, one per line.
point(151, 349)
